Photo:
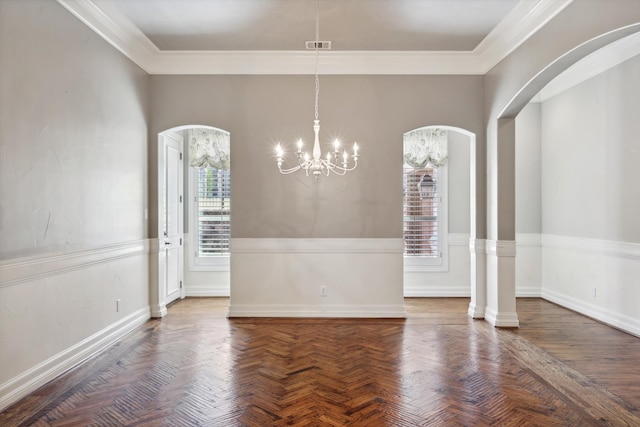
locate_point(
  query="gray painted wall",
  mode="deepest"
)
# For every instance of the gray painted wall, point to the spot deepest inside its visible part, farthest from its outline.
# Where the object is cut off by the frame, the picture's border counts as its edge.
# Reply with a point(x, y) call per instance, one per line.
point(574, 33)
point(73, 175)
point(528, 196)
point(73, 136)
point(591, 158)
point(459, 184)
point(260, 111)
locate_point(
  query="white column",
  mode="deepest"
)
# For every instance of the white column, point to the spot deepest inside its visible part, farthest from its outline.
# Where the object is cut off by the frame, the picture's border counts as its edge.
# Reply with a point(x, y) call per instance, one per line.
point(501, 245)
point(478, 255)
point(501, 284)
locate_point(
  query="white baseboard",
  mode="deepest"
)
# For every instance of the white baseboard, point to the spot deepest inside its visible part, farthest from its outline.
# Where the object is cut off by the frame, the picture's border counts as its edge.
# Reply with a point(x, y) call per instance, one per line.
point(476, 312)
point(619, 321)
point(158, 311)
point(202, 291)
point(27, 382)
point(335, 311)
point(501, 320)
point(528, 291)
point(438, 292)
point(574, 267)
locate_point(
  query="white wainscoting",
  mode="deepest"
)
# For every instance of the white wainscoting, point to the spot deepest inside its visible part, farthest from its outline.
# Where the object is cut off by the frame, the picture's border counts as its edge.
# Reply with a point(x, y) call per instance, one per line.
point(205, 280)
point(598, 278)
point(207, 283)
point(454, 281)
point(285, 277)
point(58, 310)
point(528, 265)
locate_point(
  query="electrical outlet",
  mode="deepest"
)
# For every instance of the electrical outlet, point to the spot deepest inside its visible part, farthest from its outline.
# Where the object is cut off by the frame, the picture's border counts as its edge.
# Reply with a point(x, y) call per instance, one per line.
point(118, 305)
point(323, 291)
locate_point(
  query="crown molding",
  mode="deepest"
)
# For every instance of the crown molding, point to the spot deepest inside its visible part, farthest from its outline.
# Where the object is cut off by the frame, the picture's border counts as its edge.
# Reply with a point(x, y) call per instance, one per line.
point(108, 22)
point(522, 22)
point(103, 17)
point(303, 62)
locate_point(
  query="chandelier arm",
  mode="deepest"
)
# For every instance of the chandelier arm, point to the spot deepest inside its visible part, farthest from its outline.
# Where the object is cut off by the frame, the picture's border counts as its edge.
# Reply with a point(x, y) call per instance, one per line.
point(335, 168)
point(290, 170)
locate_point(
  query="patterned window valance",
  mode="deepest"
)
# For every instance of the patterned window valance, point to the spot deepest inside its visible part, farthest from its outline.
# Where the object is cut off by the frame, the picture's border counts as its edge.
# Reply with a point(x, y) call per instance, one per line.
point(209, 148)
point(425, 146)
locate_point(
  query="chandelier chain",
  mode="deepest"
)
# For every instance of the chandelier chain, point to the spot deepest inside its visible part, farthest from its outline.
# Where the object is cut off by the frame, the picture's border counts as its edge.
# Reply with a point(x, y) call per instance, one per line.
point(317, 55)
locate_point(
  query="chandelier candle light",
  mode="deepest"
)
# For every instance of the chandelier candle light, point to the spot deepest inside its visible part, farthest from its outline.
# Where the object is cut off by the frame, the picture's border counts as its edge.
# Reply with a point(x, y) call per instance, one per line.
point(316, 165)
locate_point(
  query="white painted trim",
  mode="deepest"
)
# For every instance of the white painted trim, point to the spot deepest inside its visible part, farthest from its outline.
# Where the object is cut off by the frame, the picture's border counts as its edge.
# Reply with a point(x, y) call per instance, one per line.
point(103, 17)
point(295, 310)
point(438, 292)
point(592, 65)
point(313, 245)
point(475, 312)
point(477, 246)
point(593, 246)
point(502, 248)
point(158, 311)
point(526, 18)
point(616, 320)
point(108, 22)
point(530, 291)
point(528, 239)
point(222, 267)
point(421, 265)
point(204, 291)
point(27, 382)
point(195, 263)
point(25, 269)
point(501, 320)
point(303, 63)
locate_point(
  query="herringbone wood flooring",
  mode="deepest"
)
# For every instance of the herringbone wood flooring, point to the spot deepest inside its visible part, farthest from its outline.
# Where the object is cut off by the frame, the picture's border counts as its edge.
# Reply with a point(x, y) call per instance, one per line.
point(437, 368)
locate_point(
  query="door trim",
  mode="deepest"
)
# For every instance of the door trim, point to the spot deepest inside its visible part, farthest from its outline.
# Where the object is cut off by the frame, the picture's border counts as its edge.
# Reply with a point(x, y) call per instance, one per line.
point(158, 260)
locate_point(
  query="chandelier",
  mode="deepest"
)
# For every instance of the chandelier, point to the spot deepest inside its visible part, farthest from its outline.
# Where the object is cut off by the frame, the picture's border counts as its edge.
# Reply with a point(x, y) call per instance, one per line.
point(315, 165)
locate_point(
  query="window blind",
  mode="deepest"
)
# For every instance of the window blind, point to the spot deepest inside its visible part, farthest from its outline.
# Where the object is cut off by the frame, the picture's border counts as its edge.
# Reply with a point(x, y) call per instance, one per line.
point(213, 202)
point(421, 209)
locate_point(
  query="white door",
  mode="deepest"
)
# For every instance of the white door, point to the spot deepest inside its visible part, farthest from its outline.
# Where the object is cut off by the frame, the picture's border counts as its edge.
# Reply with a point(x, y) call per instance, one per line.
point(171, 214)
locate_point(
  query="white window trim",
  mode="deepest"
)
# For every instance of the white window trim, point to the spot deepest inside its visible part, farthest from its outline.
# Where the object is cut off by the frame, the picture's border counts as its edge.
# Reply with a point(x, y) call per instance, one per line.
point(219, 263)
point(417, 264)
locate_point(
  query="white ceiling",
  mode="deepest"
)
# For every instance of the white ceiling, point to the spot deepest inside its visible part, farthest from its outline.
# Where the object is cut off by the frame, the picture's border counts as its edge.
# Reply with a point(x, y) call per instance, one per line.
point(387, 25)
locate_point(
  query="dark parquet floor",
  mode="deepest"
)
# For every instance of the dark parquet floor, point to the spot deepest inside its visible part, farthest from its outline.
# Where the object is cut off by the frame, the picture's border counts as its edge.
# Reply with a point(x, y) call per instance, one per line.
point(436, 368)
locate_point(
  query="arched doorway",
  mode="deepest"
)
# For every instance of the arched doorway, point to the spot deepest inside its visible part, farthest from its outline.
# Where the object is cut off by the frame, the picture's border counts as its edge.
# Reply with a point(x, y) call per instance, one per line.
point(191, 257)
point(505, 103)
point(462, 239)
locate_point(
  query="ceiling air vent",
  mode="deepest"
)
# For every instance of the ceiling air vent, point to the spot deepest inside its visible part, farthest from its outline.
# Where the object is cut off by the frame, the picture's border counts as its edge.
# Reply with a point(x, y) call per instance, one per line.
point(320, 45)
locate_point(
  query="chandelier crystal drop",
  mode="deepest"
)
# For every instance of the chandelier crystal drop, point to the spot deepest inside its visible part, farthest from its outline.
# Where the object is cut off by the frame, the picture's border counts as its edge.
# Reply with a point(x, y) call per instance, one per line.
point(334, 162)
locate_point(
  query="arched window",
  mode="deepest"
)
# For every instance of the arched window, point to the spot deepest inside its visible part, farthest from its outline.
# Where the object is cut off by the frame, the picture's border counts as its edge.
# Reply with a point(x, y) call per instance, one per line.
point(424, 203)
point(210, 186)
